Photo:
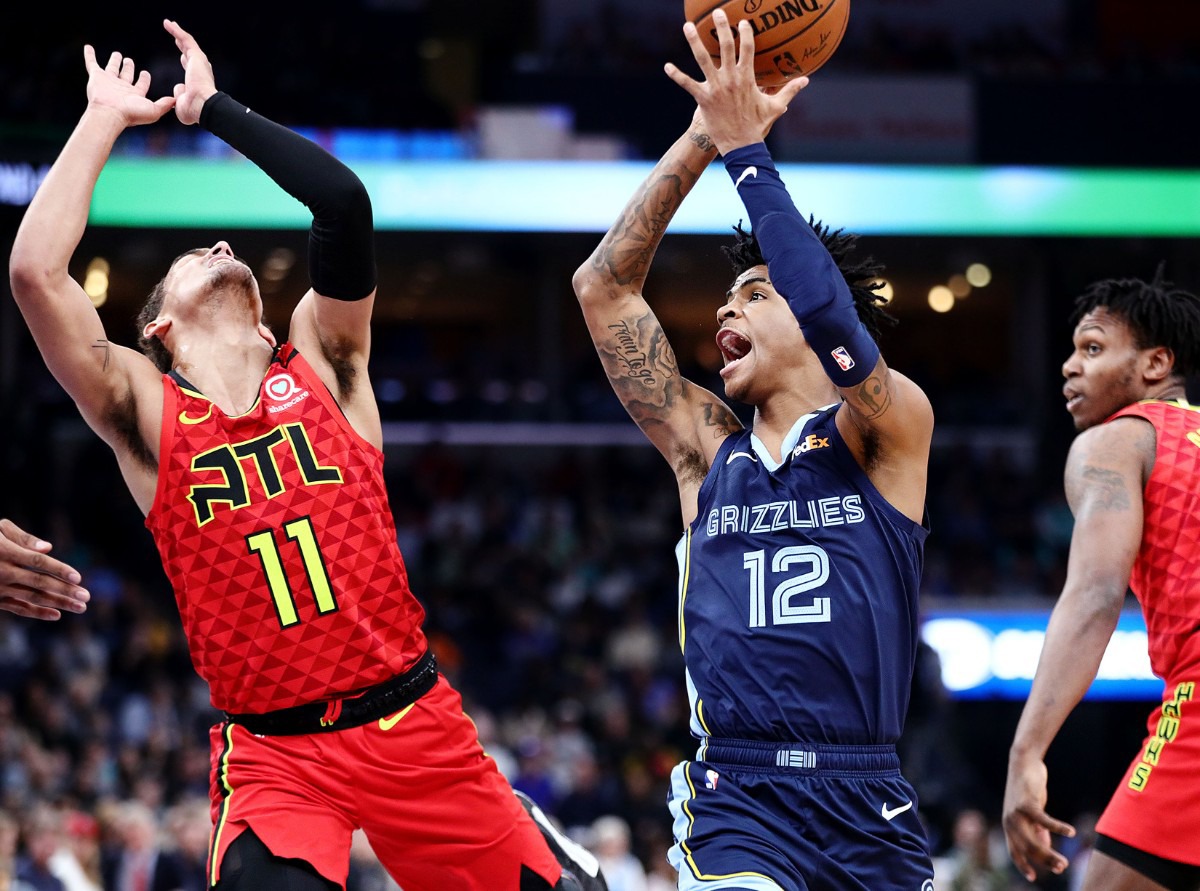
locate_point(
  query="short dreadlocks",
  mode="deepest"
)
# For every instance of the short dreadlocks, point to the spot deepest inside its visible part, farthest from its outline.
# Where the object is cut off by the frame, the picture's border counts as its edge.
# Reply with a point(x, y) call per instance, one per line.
point(1157, 312)
point(861, 276)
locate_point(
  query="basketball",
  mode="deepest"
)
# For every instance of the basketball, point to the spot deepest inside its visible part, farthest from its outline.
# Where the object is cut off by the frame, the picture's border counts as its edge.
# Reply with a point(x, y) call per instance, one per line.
point(791, 38)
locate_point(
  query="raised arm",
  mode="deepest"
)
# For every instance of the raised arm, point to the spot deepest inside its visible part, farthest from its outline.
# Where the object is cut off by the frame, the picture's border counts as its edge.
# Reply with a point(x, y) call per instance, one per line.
point(331, 323)
point(105, 380)
point(885, 417)
point(685, 422)
point(1106, 472)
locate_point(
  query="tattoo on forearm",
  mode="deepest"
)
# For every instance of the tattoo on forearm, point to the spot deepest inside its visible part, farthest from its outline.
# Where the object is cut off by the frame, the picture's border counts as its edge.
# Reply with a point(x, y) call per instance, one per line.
point(103, 345)
point(642, 367)
point(1108, 488)
point(874, 397)
point(703, 141)
point(630, 354)
point(721, 419)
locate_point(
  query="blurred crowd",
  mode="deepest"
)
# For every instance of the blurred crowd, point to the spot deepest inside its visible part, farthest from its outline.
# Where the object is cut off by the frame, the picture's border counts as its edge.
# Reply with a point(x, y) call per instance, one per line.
point(550, 584)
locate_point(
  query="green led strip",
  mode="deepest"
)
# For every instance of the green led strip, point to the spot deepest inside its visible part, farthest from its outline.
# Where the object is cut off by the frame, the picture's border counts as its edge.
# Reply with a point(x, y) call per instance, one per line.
point(563, 196)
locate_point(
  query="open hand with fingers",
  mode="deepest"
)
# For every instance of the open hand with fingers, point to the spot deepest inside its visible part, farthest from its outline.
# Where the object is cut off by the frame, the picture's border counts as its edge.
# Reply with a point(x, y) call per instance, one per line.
point(199, 82)
point(735, 109)
point(31, 583)
point(1027, 826)
point(114, 87)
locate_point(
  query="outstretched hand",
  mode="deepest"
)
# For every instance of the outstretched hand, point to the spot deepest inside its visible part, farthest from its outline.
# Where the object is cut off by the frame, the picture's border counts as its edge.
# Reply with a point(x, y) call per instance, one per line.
point(198, 80)
point(1027, 826)
point(114, 87)
point(735, 109)
point(33, 584)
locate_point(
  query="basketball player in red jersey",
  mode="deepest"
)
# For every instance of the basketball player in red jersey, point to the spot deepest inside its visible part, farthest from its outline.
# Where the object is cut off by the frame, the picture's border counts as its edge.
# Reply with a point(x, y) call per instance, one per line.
point(258, 466)
point(1133, 483)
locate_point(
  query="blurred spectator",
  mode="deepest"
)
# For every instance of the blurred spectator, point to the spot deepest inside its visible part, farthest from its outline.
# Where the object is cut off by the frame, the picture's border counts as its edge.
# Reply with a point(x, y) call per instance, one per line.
point(138, 861)
point(610, 842)
point(977, 861)
point(76, 862)
point(41, 829)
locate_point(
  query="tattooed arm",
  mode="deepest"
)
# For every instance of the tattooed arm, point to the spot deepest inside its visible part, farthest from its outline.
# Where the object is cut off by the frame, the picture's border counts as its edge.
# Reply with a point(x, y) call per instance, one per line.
point(1106, 472)
point(685, 422)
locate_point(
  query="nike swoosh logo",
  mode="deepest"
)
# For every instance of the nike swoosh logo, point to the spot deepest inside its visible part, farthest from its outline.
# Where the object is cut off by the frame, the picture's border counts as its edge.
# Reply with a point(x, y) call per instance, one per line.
point(389, 723)
point(753, 458)
point(891, 813)
point(749, 171)
point(185, 418)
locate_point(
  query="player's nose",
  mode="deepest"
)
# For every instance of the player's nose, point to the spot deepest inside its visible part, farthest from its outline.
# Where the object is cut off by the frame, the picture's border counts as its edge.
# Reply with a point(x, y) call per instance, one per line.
point(221, 247)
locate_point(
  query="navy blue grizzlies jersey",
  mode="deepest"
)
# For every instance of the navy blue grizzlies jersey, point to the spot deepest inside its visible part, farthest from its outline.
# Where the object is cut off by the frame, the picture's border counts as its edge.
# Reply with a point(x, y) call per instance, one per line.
point(798, 595)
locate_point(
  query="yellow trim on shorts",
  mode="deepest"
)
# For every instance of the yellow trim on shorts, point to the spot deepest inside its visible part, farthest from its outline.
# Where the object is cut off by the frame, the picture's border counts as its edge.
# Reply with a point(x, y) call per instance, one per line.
point(703, 876)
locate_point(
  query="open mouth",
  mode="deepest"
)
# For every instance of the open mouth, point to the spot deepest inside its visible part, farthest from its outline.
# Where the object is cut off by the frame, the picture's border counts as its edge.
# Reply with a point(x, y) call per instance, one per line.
point(733, 345)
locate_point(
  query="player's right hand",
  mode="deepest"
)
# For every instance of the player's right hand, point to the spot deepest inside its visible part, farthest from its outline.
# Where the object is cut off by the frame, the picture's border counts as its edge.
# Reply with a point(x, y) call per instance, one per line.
point(31, 583)
point(114, 87)
point(1027, 826)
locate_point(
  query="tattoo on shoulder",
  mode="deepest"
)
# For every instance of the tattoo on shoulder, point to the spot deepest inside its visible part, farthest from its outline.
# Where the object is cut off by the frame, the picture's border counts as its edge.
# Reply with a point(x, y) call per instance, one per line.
point(1107, 486)
point(873, 397)
point(722, 421)
point(106, 346)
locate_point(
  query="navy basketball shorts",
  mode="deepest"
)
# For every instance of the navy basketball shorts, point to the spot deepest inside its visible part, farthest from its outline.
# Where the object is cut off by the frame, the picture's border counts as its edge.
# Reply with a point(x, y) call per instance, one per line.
point(796, 817)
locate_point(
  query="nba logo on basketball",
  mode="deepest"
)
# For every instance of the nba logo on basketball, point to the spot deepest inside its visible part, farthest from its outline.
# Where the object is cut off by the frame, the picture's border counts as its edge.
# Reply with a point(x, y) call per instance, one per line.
point(843, 359)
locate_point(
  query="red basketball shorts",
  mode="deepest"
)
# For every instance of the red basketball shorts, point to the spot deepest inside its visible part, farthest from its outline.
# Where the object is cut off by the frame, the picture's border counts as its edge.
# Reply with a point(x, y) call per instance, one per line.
point(1156, 808)
point(436, 810)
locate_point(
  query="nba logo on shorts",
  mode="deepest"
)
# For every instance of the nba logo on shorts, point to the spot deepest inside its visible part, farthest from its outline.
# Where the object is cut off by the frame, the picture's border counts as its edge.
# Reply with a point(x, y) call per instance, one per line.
point(843, 359)
point(710, 779)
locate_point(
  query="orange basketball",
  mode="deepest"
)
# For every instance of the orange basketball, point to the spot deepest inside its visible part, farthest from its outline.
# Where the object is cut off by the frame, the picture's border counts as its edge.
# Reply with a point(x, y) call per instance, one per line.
point(791, 37)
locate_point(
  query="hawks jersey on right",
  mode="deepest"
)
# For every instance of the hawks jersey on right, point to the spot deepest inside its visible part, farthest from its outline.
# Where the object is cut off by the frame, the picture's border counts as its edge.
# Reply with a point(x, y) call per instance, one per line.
point(1166, 573)
point(275, 531)
point(798, 595)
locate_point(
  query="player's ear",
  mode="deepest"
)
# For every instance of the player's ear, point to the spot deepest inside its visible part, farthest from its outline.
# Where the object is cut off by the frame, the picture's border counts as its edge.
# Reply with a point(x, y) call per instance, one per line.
point(266, 334)
point(1159, 363)
point(157, 328)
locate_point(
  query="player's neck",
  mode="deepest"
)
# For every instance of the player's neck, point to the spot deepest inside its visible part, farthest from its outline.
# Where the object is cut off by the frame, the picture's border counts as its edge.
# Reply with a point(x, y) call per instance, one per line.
point(774, 418)
point(229, 374)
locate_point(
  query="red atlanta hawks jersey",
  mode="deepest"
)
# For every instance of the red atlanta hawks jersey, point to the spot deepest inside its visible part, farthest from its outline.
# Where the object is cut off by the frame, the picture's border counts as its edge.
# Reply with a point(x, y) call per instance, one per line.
point(275, 531)
point(1166, 573)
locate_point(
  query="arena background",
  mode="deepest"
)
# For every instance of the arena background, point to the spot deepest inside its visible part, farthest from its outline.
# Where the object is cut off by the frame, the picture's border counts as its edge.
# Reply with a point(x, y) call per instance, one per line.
point(537, 525)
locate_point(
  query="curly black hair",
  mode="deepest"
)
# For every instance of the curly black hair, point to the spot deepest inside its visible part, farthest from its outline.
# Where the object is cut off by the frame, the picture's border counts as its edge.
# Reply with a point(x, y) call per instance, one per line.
point(862, 276)
point(1157, 312)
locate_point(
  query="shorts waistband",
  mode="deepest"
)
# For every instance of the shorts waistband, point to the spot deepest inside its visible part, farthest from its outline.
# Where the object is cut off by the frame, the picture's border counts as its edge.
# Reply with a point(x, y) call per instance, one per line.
point(379, 701)
point(812, 758)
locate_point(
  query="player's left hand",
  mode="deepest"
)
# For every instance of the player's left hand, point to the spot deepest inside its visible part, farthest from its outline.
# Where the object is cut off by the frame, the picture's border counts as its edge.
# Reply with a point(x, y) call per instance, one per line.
point(1027, 826)
point(199, 83)
point(736, 110)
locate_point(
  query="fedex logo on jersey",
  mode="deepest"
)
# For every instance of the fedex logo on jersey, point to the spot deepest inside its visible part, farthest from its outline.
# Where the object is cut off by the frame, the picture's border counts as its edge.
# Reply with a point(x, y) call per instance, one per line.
point(282, 389)
point(844, 360)
point(812, 441)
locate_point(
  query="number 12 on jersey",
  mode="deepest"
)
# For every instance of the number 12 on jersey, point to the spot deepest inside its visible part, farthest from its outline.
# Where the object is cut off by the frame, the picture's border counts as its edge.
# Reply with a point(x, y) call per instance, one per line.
point(813, 565)
point(301, 532)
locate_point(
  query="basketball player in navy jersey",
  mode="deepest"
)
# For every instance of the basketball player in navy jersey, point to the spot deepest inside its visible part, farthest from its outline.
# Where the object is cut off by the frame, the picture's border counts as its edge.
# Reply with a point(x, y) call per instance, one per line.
point(802, 547)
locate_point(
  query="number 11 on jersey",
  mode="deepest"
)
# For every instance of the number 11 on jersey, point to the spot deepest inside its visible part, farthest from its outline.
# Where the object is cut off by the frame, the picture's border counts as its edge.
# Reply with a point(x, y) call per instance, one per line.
point(301, 532)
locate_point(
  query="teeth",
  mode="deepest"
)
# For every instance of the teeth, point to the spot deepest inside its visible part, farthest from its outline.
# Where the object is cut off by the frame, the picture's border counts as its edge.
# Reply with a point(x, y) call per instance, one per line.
point(732, 344)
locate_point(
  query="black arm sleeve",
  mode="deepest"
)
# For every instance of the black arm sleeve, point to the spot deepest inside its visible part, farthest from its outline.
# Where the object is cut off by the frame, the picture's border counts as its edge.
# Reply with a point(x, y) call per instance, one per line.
point(341, 243)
